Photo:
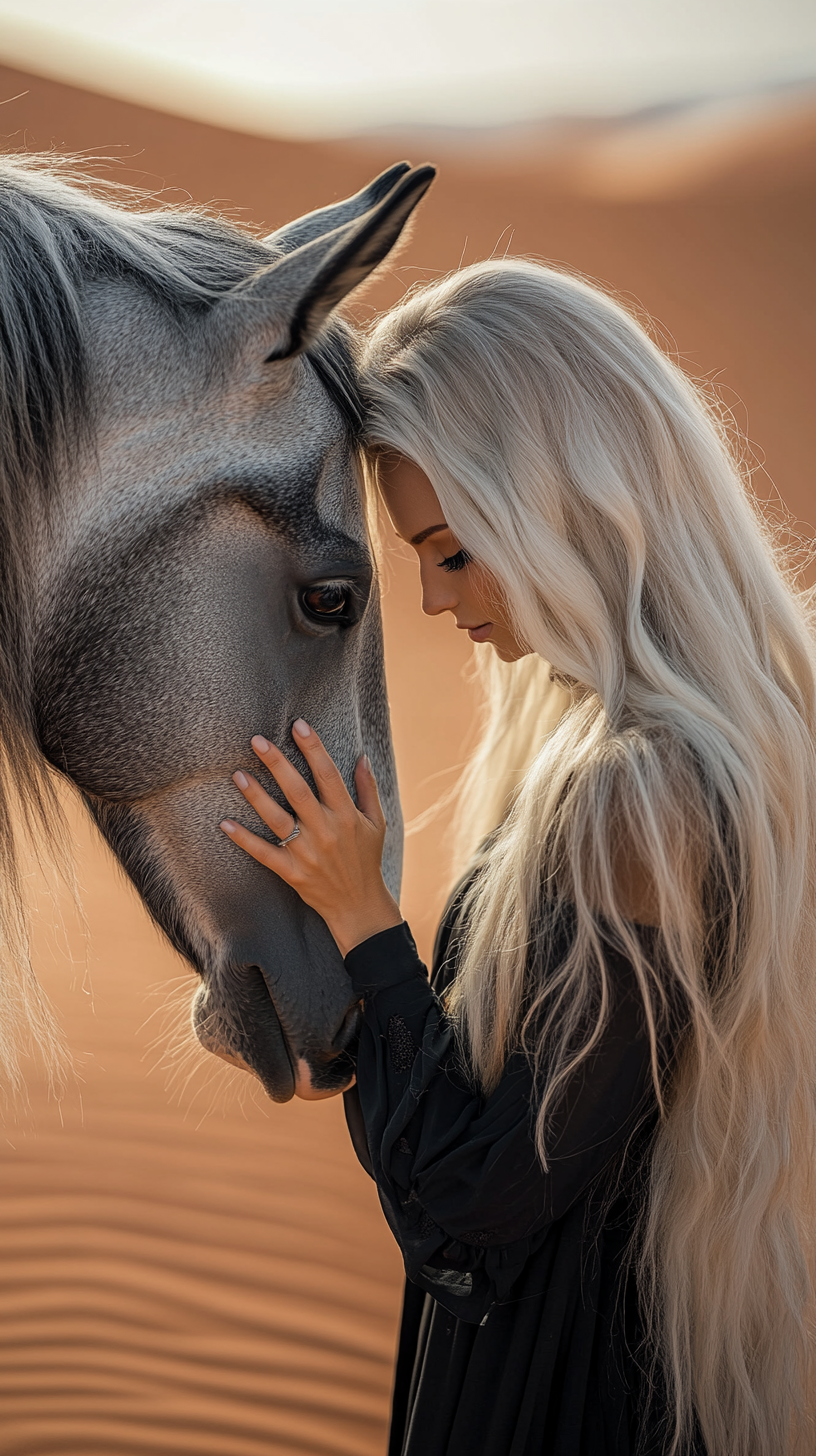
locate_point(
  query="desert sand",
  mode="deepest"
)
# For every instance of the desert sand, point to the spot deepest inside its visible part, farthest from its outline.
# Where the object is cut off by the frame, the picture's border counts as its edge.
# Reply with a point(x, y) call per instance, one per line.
point(187, 1268)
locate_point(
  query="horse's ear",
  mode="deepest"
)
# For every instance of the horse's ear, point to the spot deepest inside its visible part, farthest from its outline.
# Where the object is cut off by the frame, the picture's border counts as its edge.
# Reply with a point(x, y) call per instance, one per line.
point(290, 301)
point(326, 219)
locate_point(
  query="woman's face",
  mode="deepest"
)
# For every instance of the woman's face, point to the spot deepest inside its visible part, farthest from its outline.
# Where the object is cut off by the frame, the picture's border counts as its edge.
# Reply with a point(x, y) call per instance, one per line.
point(449, 582)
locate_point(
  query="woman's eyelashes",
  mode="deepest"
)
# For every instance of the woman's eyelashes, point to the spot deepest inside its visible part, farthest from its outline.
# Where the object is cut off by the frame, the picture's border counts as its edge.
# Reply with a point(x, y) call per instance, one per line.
point(456, 562)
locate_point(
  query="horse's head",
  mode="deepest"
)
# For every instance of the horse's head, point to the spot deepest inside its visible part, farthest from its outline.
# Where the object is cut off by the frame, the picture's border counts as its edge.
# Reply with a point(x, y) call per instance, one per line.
point(202, 572)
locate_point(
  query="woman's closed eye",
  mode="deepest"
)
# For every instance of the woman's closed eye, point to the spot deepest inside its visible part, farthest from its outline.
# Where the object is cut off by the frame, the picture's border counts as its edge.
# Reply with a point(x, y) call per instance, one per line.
point(456, 562)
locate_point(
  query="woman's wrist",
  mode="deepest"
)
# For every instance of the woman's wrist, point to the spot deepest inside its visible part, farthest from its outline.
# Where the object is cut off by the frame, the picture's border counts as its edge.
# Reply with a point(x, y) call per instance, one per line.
point(382, 913)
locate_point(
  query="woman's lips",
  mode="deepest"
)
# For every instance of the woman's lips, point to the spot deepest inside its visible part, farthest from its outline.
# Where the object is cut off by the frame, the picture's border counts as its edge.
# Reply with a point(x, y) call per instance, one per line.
point(480, 634)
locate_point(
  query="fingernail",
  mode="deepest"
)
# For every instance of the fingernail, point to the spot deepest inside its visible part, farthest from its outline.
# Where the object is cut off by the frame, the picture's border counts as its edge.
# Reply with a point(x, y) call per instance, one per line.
point(241, 780)
point(228, 826)
point(367, 762)
point(301, 728)
point(260, 744)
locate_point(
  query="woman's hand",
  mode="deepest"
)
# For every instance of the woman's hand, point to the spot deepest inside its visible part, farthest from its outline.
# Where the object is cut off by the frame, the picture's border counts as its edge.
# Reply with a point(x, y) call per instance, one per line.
point(334, 861)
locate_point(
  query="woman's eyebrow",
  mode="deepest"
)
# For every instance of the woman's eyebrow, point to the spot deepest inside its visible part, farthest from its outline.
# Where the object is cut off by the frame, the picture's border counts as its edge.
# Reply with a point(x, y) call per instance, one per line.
point(429, 531)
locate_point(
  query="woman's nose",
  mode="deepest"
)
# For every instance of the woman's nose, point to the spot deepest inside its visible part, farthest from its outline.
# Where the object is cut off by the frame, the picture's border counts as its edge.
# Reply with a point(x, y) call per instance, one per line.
point(438, 596)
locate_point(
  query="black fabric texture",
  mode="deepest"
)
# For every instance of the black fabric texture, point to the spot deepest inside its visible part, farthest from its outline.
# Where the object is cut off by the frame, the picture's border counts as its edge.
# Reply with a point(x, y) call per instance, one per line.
point(520, 1331)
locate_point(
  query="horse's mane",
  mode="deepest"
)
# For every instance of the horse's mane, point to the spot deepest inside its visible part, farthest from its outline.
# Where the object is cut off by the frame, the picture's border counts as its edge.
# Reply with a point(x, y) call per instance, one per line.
point(59, 231)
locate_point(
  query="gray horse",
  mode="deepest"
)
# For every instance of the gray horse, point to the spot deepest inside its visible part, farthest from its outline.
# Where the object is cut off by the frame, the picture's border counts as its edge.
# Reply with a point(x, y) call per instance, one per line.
point(183, 563)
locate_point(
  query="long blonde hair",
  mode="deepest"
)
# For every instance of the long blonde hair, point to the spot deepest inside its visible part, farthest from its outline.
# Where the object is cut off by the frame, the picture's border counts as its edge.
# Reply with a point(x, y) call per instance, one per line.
point(583, 470)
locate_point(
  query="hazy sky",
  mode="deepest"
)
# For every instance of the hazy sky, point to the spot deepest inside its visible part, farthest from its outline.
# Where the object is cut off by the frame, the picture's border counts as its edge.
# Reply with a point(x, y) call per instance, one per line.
point(335, 65)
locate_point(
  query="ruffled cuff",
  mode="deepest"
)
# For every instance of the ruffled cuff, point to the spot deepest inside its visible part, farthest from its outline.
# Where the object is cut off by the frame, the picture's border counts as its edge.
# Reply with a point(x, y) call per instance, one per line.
point(387, 959)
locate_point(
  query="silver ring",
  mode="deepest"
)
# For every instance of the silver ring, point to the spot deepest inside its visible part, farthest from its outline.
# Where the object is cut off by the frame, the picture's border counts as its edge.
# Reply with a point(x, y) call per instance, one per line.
point(290, 837)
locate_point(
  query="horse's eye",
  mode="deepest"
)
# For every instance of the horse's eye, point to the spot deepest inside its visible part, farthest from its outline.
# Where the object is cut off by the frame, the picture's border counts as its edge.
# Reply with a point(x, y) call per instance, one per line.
point(328, 599)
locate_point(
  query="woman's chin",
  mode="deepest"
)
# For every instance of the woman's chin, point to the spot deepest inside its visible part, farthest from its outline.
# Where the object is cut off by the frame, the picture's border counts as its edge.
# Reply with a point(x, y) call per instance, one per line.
point(510, 651)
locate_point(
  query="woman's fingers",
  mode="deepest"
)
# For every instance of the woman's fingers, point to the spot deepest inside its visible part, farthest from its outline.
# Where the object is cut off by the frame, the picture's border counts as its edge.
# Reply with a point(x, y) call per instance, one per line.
point(279, 820)
point(333, 792)
point(368, 799)
point(328, 780)
point(335, 861)
point(295, 788)
point(265, 853)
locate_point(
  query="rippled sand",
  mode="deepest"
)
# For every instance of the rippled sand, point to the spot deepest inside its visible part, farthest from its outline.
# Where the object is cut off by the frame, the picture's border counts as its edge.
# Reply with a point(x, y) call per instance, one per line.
point(187, 1268)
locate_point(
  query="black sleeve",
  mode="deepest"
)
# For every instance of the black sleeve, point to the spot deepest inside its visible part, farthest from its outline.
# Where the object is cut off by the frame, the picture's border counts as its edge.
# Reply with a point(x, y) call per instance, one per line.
point(458, 1176)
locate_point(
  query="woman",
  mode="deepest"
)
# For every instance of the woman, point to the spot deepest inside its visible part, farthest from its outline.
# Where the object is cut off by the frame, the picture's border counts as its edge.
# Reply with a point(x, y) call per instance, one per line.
point(594, 1137)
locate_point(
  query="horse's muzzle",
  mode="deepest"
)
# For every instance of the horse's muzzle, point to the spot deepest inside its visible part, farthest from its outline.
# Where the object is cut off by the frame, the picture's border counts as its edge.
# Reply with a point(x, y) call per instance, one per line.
point(320, 1075)
point(237, 1021)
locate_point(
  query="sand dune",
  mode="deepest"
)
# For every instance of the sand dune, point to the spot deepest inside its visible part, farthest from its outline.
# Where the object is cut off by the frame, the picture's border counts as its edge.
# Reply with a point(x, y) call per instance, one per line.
point(171, 1284)
point(187, 1271)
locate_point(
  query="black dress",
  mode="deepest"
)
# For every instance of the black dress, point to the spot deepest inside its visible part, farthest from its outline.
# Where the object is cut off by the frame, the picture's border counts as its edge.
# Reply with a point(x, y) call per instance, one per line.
point(520, 1332)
